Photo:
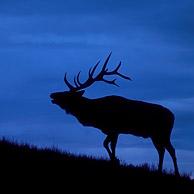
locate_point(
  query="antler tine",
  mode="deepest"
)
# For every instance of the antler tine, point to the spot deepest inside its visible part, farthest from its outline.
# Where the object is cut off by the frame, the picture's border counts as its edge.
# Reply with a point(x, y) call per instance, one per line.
point(124, 76)
point(67, 83)
point(77, 78)
point(113, 82)
point(75, 82)
point(93, 69)
point(106, 62)
point(117, 68)
point(119, 74)
point(115, 71)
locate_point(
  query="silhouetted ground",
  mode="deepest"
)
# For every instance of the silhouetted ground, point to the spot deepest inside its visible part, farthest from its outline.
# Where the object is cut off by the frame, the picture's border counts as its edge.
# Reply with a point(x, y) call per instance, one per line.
point(24, 166)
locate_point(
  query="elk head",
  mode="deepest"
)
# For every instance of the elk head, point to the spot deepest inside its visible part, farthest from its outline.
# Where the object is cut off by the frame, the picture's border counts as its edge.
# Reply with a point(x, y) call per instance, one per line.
point(70, 99)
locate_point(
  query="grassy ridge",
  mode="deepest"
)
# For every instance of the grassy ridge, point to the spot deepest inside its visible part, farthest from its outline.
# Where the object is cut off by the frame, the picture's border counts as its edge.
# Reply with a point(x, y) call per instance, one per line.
point(52, 167)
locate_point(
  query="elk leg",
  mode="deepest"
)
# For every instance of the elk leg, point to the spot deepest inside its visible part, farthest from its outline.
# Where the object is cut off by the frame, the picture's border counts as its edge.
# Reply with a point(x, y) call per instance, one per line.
point(113, 145)
point(106, 143)
point(161, 149)
point(172, 153)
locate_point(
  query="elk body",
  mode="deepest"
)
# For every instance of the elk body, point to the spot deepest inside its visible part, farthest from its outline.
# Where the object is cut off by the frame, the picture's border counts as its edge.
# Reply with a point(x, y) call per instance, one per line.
point(115, 115)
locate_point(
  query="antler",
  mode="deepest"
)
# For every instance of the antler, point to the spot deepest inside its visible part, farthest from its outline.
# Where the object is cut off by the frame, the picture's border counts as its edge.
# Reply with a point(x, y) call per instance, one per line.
point(99, 77)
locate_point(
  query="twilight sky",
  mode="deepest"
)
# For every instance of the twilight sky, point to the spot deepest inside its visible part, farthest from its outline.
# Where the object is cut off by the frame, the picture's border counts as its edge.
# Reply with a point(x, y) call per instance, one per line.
point(40, 40)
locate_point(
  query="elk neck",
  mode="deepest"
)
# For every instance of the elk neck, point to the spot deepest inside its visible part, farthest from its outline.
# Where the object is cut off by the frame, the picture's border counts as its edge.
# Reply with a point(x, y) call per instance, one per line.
point(77, 106)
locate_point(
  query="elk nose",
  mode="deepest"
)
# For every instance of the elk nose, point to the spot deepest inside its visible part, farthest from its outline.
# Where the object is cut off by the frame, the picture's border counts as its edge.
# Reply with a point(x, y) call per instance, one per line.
point(52, 95)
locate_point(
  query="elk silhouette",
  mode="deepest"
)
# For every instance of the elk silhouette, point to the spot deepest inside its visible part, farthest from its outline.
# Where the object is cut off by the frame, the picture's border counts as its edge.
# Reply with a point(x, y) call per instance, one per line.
point(115, 115)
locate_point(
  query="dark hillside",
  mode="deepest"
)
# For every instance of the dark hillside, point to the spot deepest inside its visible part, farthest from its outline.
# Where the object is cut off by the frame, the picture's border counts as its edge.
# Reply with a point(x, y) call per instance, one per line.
point(24, 164)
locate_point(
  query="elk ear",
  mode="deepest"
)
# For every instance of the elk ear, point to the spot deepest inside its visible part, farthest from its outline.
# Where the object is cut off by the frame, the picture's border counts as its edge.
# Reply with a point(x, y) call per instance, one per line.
point(80, 93)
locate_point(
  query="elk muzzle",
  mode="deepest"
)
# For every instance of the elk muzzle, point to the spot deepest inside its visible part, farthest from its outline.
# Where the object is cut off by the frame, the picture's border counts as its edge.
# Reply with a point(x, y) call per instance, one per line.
point(53, 98)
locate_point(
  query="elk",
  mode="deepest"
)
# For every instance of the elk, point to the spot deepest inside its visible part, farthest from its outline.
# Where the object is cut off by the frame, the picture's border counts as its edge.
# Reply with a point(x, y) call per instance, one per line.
point(115, 115)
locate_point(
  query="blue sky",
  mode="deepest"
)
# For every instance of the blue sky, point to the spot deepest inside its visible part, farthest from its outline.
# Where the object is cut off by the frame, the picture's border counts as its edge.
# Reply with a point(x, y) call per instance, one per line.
point(40, 40)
